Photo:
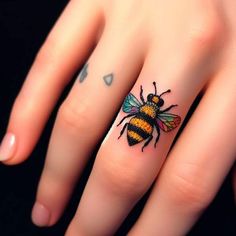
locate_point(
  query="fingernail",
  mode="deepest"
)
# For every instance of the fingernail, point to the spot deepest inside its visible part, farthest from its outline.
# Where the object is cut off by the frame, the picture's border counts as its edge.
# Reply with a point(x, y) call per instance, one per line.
point(7, 147)
point(40, 215)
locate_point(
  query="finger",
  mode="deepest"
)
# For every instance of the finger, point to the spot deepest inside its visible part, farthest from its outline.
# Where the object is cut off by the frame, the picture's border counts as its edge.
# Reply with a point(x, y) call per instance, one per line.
point(83, 118)
point(197, 165)
point(122, 174)
point(65, 49)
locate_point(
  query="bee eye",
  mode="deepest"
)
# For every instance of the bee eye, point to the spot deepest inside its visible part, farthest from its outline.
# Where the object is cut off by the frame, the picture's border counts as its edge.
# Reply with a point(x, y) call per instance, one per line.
point(150, 96)
point(161, 102)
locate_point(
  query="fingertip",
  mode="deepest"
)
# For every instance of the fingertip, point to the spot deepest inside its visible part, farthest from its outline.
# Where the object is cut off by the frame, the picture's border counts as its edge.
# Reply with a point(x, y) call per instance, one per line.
point(12, 150)
point(40, 215)
point(7, 147)
point(23, 132)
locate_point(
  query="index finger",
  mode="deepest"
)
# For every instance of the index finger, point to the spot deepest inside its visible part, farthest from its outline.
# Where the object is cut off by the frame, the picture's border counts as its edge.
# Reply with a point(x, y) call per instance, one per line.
point(66, 48)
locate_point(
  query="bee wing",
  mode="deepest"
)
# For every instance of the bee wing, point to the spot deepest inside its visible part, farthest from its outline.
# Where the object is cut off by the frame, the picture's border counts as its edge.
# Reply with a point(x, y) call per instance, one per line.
point(131, 104)
point(168, 121)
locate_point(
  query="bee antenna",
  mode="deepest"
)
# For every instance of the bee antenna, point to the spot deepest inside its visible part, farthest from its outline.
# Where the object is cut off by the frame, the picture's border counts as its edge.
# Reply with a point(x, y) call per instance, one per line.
point(168, 91)
point(154, 83)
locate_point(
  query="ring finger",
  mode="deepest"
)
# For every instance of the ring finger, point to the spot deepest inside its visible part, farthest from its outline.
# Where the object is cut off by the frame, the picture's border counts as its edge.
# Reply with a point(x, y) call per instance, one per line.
point(122, 174)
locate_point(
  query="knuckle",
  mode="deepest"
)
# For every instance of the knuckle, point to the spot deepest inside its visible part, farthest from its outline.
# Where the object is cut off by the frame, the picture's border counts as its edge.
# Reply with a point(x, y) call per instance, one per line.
point(189, 189)
point(23, 109)
point(47, 56)
point(123, 179)
point(207, 33)
point(75, 118)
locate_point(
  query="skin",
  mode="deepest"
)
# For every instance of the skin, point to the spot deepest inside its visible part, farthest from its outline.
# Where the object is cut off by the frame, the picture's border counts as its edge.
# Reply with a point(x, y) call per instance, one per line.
point(192, 52)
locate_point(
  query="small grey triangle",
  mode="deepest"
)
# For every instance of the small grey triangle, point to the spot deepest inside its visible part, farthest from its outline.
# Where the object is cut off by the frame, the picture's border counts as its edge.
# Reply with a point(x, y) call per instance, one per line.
point(108, 79)
point(84, 73)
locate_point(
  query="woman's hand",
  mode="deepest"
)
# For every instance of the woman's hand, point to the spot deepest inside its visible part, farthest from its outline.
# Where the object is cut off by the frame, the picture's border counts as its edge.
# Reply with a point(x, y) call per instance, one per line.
point(186, 46)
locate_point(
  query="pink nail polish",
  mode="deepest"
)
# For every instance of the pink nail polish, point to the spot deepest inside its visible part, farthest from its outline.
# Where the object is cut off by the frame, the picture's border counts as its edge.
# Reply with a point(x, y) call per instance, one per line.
point(40, 215)
point(7, 147)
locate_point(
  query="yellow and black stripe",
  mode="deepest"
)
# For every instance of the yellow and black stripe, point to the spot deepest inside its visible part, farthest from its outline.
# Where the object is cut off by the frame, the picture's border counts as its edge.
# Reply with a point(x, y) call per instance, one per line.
point(148, 111)
point(140, 128)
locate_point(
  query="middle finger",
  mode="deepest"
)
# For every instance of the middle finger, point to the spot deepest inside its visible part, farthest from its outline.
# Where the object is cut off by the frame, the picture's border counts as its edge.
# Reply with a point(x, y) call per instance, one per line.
point(82, 120)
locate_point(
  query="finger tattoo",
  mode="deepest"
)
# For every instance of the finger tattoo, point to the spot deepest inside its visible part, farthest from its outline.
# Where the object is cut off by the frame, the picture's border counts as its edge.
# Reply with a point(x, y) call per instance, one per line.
point(84, 73)
point(145, 116)
point(108, 79)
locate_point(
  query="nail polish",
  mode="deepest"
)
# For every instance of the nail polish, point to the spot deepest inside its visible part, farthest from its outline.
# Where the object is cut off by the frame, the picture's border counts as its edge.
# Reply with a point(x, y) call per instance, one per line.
point(7, 147)
point(40, 215)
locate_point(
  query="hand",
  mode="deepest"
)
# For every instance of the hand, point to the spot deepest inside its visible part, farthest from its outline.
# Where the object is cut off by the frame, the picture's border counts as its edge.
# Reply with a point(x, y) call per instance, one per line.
point(192, 51)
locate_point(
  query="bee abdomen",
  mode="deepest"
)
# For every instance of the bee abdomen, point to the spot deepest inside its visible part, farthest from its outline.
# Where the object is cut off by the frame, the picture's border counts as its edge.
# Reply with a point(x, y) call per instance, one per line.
point(133, 137)
point(138, 130)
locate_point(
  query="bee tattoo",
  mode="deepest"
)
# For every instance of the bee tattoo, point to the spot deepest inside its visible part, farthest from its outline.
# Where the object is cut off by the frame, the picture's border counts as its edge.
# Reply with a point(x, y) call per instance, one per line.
point(147, 115)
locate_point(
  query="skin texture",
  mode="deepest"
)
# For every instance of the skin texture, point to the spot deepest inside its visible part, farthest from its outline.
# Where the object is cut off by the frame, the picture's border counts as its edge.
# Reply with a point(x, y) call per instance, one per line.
point(192, 52)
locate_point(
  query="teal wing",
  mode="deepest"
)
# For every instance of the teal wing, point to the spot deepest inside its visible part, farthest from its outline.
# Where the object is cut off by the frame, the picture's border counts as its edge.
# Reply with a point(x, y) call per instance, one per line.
point(131, 104)
point(168, 121)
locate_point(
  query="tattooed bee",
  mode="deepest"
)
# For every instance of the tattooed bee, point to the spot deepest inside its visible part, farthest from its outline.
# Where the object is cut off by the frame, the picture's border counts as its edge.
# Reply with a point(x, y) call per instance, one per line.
point(146, 116)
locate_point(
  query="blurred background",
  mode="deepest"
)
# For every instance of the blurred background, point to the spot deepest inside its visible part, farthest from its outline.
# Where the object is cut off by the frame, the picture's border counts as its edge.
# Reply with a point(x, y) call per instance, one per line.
point(23, 28)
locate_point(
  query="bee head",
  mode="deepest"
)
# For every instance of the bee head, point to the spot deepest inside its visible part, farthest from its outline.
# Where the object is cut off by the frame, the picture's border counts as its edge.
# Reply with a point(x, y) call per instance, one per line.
point(156, 99)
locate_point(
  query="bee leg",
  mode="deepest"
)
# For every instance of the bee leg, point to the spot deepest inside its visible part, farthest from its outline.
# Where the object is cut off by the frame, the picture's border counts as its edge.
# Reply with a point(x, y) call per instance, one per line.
point(125, 118)
point(141, 94)
point(123, 130)
point(168, 108)
point(158, 136)
point(147, 142)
